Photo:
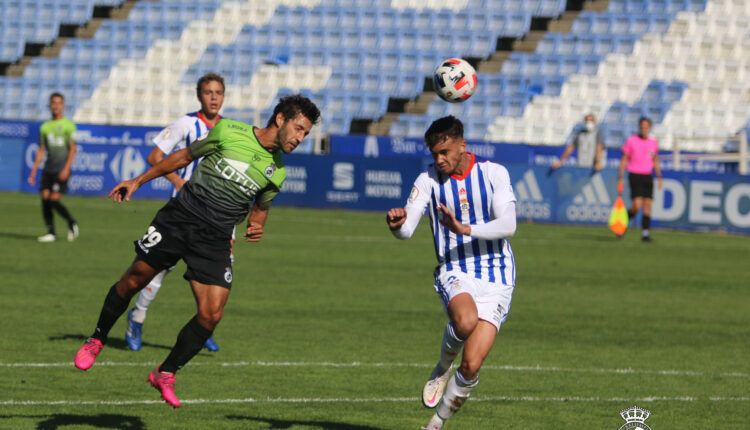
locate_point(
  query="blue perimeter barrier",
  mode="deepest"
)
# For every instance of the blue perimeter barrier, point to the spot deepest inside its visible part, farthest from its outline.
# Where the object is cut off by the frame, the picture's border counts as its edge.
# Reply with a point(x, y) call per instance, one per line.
point(380, 176)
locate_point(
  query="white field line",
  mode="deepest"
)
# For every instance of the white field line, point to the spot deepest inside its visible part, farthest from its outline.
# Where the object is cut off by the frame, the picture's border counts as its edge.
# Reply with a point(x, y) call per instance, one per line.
point(356, 364)
point(319, 400)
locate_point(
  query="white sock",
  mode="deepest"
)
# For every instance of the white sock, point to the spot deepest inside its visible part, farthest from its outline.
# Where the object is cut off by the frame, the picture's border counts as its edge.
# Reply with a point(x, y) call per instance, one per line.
point(450, 347)
point(146, 296)
point(456, 393)
point(436, 423)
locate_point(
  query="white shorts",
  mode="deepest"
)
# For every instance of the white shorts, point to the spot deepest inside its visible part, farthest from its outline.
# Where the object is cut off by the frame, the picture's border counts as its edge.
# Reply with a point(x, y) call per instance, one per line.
point(492, 299)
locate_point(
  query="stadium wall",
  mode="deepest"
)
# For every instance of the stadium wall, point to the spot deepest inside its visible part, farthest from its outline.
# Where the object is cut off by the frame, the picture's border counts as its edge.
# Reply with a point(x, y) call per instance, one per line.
point(364, 173)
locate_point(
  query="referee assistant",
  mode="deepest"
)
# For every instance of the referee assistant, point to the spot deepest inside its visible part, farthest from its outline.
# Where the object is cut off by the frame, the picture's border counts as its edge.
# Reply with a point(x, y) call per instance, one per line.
point(640, 155)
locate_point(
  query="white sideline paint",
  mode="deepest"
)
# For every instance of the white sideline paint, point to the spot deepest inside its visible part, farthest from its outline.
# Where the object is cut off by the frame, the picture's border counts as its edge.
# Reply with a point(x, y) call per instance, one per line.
point(148, 91)
point(308, 400)
point(357, 364)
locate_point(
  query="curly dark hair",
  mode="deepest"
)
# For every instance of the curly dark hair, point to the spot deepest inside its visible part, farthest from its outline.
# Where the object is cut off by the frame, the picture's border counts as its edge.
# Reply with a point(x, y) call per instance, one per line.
point(290, 106)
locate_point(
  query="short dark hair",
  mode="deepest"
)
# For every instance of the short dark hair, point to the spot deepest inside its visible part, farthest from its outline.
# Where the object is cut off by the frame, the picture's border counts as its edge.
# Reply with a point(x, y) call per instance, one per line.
point(208, 77)
point(290, 106)
point(443, 128)
point(645, 118)
point(56, 94)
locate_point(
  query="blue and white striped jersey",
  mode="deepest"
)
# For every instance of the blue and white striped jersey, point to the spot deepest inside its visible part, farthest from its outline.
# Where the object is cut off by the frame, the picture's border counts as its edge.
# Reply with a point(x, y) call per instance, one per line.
point(180, 134)
point(475, 199)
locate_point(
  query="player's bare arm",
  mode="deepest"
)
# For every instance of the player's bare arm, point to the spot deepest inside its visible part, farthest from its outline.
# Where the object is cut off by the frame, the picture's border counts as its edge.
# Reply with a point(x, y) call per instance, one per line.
point(176, 160)
point(449, 220)
point(621, 173)
point(37, 161)
point(395, 218)
point(598, 165)
point(568, 150)
point(65, 172)
point(154, 157)
point(657, 170)
point(255, 222)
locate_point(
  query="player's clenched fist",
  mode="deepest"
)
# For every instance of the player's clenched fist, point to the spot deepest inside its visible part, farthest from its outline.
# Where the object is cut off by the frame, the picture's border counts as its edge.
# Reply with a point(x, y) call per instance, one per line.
point(254, 232)
point(122, 191)
point(395, 218)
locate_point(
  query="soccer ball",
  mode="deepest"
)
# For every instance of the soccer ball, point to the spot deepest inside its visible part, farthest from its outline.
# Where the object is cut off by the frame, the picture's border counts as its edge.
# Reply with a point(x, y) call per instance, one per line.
point(454, 80)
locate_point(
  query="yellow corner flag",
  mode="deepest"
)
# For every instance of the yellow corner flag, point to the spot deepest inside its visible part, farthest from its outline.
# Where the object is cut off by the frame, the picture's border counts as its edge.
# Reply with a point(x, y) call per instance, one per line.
point(618, 218)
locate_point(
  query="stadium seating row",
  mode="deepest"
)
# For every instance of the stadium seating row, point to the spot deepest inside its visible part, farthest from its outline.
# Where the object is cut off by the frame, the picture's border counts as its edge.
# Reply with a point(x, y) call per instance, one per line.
point(585, 44)
point(621, 23)
point(358, 18)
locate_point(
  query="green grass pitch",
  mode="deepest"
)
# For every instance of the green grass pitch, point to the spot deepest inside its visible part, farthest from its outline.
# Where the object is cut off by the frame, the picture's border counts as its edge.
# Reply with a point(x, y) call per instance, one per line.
point(333, 324)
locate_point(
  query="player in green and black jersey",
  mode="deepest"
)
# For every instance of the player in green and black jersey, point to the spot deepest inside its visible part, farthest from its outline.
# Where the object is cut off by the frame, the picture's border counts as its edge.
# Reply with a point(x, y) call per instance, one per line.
point(56, 141)
point(241, 172)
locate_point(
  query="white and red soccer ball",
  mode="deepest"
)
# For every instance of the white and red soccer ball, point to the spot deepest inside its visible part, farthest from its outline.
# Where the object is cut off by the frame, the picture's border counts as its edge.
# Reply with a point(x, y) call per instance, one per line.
point(455, 80)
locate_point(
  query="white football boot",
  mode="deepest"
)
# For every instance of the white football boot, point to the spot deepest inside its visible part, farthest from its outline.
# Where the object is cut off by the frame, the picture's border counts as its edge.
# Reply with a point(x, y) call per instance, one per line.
point(73, 232)
point(49, 237)
point(435, 386)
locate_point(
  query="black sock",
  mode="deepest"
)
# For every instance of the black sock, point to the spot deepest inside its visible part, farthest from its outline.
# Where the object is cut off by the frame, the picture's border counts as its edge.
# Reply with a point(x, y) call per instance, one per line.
point(63, 211)
point(47, 214)
point(114, 306)
point(646, 222)
point(189, 343)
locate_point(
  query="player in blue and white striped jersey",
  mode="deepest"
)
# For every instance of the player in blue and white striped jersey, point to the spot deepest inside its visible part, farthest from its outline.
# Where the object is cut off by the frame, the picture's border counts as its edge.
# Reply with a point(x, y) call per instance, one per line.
point(472, 213)
point(178, 135)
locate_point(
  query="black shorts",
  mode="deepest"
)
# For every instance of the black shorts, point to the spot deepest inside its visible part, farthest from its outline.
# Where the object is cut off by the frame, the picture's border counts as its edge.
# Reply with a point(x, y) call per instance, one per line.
point(175, 233)
point(641, 185)
point(51, 181)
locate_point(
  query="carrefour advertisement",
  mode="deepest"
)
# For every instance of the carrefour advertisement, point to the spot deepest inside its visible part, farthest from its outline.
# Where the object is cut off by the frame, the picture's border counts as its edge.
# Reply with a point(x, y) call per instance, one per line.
point(106, 155)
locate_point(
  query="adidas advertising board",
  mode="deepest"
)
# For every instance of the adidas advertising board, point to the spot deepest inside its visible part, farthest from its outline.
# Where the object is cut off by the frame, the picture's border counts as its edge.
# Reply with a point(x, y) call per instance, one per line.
point(534, 197)
point(105, 156)
point(584, 200)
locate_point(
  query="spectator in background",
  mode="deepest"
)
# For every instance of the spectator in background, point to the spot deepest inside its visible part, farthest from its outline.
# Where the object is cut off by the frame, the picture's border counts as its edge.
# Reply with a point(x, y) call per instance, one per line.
point(56, 141)
point(588, 142)
point(640, 155)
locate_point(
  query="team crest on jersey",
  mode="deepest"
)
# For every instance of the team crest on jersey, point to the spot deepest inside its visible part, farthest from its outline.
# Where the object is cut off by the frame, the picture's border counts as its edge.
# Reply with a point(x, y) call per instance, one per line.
point(270, 170)
point(228, 274)
point(413, 195)
point(164, 135)
point(464, 201)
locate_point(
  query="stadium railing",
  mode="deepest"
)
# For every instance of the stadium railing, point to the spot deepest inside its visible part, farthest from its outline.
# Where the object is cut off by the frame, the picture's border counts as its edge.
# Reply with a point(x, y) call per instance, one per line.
point(741, 157)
